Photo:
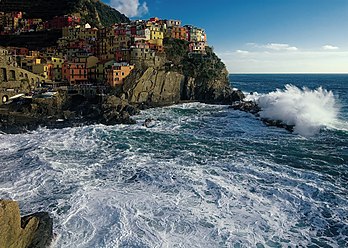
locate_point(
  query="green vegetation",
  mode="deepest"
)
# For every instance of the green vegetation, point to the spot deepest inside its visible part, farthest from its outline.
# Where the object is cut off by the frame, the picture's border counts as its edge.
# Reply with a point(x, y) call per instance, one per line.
point(97, 13)
point(207, 67)
point(176, 50)
point(92, 11)
point(108, 15)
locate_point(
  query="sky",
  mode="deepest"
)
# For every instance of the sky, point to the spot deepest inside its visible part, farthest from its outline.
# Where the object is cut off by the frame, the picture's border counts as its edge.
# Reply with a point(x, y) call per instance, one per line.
point(261, 36)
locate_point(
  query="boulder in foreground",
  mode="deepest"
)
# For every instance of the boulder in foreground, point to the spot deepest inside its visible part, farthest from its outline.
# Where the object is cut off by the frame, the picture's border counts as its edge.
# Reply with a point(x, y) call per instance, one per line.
point(28, 232)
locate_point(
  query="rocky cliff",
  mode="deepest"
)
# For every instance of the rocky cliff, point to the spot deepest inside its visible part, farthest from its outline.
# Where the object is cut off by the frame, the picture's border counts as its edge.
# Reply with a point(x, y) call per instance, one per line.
point(181, 77)
point(154, 87)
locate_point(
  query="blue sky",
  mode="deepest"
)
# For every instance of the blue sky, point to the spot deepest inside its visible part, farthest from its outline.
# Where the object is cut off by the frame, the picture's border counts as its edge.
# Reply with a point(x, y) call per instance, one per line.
point(262, 36)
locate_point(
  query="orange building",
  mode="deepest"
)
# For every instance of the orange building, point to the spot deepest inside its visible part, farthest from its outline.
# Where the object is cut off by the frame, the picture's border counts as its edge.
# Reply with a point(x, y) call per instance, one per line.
point(117, 73)
point(75, 73)
point(179, 33)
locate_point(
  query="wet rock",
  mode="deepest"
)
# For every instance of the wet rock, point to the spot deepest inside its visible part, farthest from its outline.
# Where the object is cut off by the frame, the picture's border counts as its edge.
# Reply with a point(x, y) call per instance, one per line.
point(246, 106)
point(253, 108)
point(277, 123)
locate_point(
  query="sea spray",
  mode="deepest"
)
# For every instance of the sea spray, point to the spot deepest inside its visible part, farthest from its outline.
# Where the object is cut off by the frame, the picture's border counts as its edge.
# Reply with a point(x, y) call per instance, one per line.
point(308, 110)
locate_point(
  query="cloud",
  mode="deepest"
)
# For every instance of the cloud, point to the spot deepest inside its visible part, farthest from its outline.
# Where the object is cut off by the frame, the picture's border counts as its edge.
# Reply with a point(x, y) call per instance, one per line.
point(330, 47)
point(274, 46)
point(130, 8)
point(242, 52)
point(280, 47)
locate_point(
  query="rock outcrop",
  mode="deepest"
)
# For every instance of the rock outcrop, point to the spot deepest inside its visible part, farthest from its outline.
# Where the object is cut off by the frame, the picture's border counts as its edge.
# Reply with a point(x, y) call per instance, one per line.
point(253, 108)
point(30, 231)
point(182, 77)
point(63, 110)
point(154, 87)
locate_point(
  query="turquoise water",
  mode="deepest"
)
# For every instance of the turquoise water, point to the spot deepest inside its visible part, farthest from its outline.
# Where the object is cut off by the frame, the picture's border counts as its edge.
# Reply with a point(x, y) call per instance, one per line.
point(203, 176)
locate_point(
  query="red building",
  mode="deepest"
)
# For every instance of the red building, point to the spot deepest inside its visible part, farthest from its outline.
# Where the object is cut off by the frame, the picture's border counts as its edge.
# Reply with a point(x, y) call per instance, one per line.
point(75, 73)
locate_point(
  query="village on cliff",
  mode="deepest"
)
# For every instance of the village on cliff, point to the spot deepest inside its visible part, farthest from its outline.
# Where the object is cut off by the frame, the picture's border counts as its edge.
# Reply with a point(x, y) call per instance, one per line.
point(85, 56)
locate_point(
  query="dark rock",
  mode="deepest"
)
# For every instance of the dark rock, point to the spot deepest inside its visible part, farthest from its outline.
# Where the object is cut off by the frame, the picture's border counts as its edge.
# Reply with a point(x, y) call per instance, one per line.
point(246, 106)
point(277, 123)
point(64, 111)
point(253, 108)
point(44, 232)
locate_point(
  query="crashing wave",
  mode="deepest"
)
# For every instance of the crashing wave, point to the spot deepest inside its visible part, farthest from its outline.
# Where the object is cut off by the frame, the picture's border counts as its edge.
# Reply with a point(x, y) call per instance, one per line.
point(305, 109)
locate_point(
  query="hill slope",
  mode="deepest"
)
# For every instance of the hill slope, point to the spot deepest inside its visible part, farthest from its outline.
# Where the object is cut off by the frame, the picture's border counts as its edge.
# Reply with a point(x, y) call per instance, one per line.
point(92, 11)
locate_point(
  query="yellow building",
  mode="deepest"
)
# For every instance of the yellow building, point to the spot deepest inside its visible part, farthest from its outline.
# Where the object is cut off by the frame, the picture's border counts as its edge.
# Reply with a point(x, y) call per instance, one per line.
point(154, 32)
point(154, 36)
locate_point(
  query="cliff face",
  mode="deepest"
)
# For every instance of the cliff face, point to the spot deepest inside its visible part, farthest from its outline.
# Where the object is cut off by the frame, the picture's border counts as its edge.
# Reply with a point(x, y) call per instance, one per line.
point(181, 77)
point(154, 87)
point(92, 11)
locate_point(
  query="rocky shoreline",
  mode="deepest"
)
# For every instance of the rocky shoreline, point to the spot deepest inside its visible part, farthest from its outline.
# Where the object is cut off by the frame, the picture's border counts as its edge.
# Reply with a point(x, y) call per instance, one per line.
point(63, 111)
point(253, 108)
point(175, 77)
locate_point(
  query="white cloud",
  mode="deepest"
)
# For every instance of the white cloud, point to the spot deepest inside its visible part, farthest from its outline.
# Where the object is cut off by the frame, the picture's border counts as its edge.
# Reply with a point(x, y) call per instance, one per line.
point(242, 52)
point(330, 47)
point(280, 47)
point(274, 46)
point(130, 8)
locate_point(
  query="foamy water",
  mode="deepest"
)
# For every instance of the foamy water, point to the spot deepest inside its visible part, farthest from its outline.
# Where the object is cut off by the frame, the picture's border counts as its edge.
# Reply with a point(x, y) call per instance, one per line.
point(203, 176)
point(309, 110)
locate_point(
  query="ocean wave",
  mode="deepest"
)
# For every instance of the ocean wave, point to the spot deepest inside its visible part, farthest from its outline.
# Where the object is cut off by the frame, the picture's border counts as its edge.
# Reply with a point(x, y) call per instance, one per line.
point(203, 177)
point(308, 110)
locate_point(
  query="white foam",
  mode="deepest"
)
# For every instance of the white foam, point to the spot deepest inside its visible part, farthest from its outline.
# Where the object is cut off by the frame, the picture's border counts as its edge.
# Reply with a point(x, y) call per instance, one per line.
point(308, 110)
point(168, 186)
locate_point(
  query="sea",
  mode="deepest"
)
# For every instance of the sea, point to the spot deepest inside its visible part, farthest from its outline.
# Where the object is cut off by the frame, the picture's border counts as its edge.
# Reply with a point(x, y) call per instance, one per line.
point(200, 176)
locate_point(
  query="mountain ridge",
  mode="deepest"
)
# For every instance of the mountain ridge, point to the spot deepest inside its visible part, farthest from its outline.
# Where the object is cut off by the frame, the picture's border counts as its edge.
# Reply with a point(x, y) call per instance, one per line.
point(94, 12)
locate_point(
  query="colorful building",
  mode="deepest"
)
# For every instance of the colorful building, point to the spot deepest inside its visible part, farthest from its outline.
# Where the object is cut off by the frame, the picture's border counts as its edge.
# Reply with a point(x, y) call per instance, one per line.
point(178, 32)
point(117, 72)
point(57, 64)
point(195, 34)
point(197, 47)
point(74, 73)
